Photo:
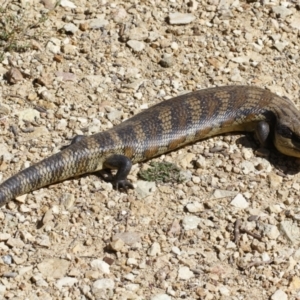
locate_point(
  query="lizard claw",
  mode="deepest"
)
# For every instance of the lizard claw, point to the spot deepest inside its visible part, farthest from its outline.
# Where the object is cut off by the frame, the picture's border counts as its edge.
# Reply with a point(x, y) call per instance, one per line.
point(123, 185)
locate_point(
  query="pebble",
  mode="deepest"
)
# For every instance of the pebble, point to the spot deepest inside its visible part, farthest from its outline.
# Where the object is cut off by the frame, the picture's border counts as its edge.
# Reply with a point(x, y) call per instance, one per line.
point(145, 188)
point(178, 18)
point(271, 231)
point(70, 27)
point(100, 265)
point(54, 267)
point(224, 290)
point(138, 34)
point(161, 297)
point(136, 46)
point(154, 249)
point(53, 45)
point(185, 273)
point(190, 222)
point(240, 202)
point(281, 11)
point(218, 194)
point(39, 280)
point(67, 3)
point(247, 167)
point(167, 60)
point(274, 180)
point(103, 284)
point(290, 230)
point(98, 23)
point(129, 237)
point(279, 295)
point(195, 207)
point(66, 281)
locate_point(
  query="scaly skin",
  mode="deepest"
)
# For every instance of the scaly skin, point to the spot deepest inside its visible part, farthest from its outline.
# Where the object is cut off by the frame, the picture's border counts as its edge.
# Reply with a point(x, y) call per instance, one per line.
point(165, 127)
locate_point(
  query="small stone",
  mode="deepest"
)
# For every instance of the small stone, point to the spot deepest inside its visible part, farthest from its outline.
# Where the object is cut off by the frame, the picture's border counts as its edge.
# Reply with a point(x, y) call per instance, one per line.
point(295, 22)
point(53, 45)
point(129, 237)
point(280, 46)
point(120, 15)
point(167, 60)
point(224, 290)
point(271, 231)
point(117, 245)
point(100, 265)
point(279, 295)
point(201, 162)
point(295, 283)
point(185, 273)
point(66, 281)
point(62, 125)
point(176, 250)
point(190, 222)
point(239, 201)
point(161, 297)
point(290, 230)
point(195, 207)
point(247, 167)
point(14, 75)
point(218, 194)
point(98, 23)
point(67, 3)
point(54, 267)
point(145, 188)
point(136, 46)
point(274, 180)
point(138, 34)
point(154, 249)
point(70, 27)
point(69, 49)
point(39, 280)
point(180, 18)
point(281, 11)
point(103, 284)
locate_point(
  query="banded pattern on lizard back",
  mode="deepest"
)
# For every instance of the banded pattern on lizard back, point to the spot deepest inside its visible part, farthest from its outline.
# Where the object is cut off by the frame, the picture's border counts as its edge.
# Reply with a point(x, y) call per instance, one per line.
point(164, 127)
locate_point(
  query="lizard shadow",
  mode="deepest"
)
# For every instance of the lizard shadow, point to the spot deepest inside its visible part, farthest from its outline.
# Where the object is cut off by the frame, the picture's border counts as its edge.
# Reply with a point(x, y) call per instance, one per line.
point(286, 165)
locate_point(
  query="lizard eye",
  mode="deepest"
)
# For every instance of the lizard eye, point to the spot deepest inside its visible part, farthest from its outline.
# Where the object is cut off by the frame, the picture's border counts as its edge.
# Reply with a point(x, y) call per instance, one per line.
point(296, 138)
point(285, 131)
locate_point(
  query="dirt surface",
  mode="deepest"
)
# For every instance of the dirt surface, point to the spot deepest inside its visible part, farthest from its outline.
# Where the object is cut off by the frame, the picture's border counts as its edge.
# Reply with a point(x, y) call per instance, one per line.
point(231, 231)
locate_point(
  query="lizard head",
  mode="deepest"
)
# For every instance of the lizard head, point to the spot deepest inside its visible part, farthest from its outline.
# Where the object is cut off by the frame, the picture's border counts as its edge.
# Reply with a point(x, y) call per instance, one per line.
point(287, 138)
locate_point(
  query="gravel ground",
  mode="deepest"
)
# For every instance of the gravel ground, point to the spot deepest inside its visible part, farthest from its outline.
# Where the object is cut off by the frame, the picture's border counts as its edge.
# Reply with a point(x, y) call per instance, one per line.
point(231, 231)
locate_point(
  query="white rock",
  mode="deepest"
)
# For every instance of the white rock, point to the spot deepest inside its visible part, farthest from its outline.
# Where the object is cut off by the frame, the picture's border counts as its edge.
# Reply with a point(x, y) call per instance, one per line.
point(239, 201)
point(190, 222)
point(66, 281)
point(98, 23)
point(290, 230)
point(279, 295)
point(224, 290)
point(136, 46)
point(67, 3)
point(161, 297)
point(194, 207)
point(100, 265)
point(145, 188)
point(62, 125)
point(281, 11)
point(271, 231)
point(218, 194)
point(180, 18)
point(295, 22)
point(3, 289)
point(70, 27)
point(185, 273)
point(176, 250)
point(104, 283)
point(154, 249)
point(53, 45)
point(247, 167)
